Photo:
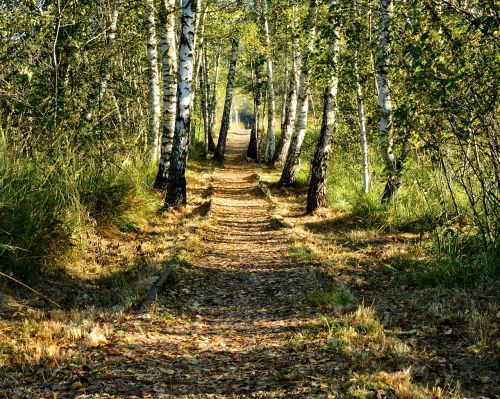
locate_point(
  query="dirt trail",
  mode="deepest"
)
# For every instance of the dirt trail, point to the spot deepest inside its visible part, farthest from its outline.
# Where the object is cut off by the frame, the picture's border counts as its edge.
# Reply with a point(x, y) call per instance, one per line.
point(236, 311)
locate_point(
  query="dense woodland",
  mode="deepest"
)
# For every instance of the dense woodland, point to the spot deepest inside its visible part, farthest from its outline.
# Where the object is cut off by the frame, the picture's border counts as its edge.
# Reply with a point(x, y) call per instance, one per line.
point(382, 113)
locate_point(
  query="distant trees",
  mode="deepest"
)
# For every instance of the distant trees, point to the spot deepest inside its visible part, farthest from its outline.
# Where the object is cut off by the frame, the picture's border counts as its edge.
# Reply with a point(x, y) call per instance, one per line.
point(78, 79)
point(226, 113)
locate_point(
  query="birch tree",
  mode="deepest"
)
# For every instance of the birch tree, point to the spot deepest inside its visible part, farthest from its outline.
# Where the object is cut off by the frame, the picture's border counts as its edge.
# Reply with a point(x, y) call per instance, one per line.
point(359, 101)
point(226, 115)
point(293, 156)
point(169, 62)
point(291, 107)
point(386, 131)
point(154, 81)
point(271, 105)
point(176, 186)
point(316, 195)
point(212, 103)
point(205, 99)
point(108, 64)
point(258, 81)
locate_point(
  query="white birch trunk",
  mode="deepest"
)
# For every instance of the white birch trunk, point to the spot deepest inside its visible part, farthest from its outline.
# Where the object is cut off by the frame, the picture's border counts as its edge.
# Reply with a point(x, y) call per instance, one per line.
point(271, 105)
point(293, 157)
point(359, 103)
point(199, 37)
point(291, 108)
point(226, 115)
point(204, 98)
point(169, 62)
point(154, 81)
point(386, 113)
point(316, 195)
point(176, 187)
point(253, 150)
point(212, 114)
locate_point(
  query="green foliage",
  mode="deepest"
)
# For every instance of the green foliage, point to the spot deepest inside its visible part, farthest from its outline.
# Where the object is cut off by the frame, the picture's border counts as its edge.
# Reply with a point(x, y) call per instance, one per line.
point(300, 253)
point(332, 297)
point(459, 260)
point(46, 203)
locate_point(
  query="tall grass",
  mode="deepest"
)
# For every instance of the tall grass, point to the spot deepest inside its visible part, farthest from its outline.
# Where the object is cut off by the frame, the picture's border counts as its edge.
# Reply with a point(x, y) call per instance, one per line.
point(457, 254)
point(45, 203)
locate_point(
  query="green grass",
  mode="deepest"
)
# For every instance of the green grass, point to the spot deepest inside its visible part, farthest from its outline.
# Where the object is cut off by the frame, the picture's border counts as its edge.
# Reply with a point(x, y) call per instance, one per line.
point(329, 298)
point(300, 253)
point(456, 256)
point(46, 203)
point(460, 261)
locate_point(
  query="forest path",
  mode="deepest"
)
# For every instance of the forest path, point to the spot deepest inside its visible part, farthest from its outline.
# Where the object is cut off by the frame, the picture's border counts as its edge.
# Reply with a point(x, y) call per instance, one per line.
point(236, 311)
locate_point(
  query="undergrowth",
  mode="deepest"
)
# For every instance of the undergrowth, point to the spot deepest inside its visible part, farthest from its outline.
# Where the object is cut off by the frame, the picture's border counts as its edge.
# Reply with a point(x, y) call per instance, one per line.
point(456, 253)
point(47, 203)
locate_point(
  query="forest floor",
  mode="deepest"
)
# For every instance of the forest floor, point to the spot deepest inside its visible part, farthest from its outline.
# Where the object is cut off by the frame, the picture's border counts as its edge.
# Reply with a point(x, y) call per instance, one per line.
point(269, 303)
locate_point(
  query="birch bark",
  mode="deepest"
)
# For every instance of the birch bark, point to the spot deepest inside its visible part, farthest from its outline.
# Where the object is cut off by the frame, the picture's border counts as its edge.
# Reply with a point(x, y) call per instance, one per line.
point(226, 115)
point(212, 110)
point(386, 135)
point(359, 102)
point(253, 145)
point(176, 187)
point(169, 59)
point(316, 195)
point(291, 110)
point(154, 82)
point(290, 168)
point(271, 103)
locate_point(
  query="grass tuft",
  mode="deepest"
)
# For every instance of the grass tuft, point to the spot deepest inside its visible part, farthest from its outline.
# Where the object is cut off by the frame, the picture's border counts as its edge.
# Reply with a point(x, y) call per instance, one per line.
point(327, 299)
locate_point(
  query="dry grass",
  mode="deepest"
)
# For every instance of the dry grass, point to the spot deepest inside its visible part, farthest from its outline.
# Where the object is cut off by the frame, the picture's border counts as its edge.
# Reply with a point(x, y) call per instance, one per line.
point(438, 337)
point(113, 274)
point(50, 338)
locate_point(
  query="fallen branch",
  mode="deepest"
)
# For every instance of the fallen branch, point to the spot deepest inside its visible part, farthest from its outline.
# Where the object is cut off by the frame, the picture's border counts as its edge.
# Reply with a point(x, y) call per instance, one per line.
point(31, 289)
point(157, 286)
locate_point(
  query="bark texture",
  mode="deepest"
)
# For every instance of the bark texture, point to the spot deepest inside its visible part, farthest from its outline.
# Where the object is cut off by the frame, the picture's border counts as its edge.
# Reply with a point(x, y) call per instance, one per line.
point(359, 103)
point(212, 108)
point(290, 111)
point(154, 82)
point(226, 115)
point(176, 187)
point(316, 195)
point(253, 145)
point(204, 99)
point(392, 163)
point(169, 59)
point(271, 103)
point(293, 156)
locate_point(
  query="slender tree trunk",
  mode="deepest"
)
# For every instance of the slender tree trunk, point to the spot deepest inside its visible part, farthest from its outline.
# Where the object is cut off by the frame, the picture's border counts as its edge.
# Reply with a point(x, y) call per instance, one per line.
point(271, 104)
point(291, 109)
point(199, 38)
point(212, 114)
point(108, 65)
point(253, 145)
point(154, 82)
point(285, 96)
point(176, 187)
point(169, 58)
point(226, 115)
point(392, 163)
point(293, 157)
point(359, 102)
point(204, 99)
point(316, 195)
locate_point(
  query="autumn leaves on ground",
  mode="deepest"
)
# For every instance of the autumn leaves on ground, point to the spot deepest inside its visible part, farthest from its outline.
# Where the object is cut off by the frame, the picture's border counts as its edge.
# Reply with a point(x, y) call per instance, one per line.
point(263, 302)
